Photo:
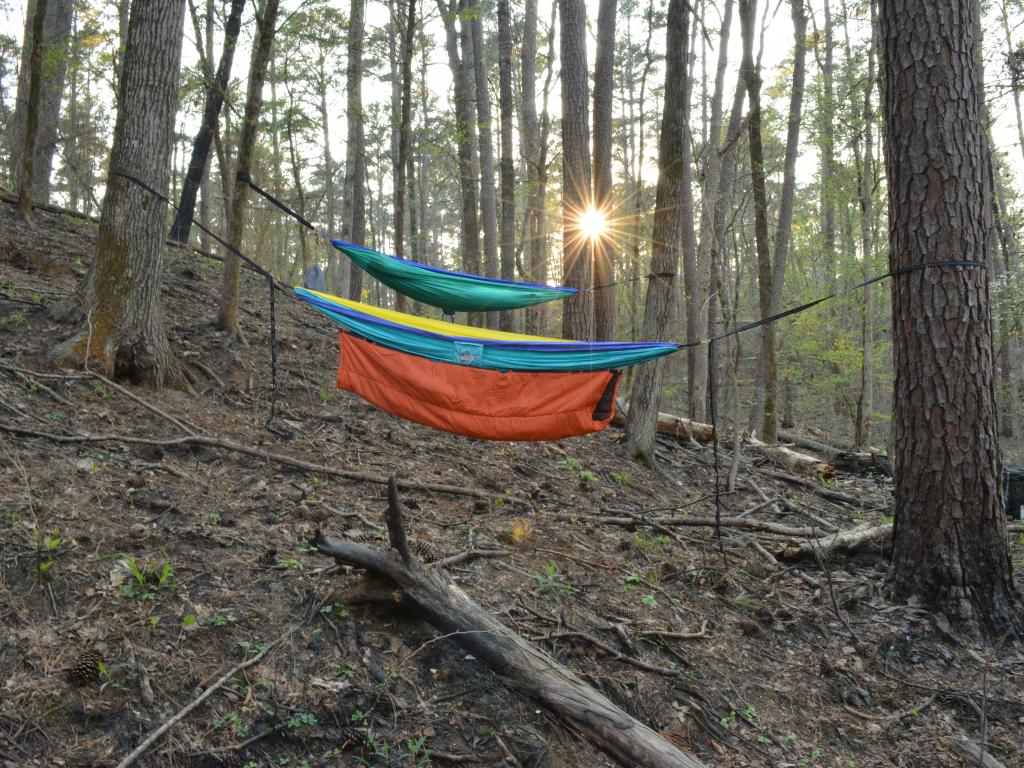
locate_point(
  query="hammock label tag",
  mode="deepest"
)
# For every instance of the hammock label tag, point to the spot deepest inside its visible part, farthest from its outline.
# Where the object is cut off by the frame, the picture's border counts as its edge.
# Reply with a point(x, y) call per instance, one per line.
point(468, 354)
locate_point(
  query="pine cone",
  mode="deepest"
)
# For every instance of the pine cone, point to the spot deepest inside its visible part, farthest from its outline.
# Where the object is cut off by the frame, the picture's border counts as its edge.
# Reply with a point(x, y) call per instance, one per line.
point(350, 738)
point(427, 551)
point(86, 668)
point(269, 556)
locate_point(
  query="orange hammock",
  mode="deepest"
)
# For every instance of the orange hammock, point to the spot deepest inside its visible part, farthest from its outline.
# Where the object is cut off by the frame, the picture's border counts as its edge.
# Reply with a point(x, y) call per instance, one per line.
point(478, 402)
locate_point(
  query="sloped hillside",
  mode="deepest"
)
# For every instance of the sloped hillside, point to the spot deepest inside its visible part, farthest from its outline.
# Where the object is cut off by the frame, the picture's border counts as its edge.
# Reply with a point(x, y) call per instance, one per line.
point(154, 532)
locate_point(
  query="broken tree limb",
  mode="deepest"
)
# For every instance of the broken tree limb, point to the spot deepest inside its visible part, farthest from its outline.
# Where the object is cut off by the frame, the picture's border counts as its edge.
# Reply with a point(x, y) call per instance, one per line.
point(668, 424)
point(522, 666)
point(800, 463)
point(260, 453)
point(825, 493)
point(874, 538)
point(841, 459)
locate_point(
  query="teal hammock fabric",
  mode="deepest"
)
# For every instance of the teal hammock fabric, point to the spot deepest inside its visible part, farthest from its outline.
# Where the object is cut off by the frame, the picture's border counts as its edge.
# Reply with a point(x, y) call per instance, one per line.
point(396, 330)
point(451, 291)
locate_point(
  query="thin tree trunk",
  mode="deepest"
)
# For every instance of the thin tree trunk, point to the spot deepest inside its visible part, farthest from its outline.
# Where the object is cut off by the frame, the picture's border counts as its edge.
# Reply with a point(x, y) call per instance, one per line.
point(666, 236)
point(123, 332)
point(353, 215)
point(227, 318)
point(205, 186)
point(465, 123)
point(752, 79)
point(32, 105)
point(576, 183)
point(530, 149)
point(408, 37)
point(54, 60)
point(603, 259)
point(949, 538)
point(488, 204)
point(215, 91)
point(506, 320)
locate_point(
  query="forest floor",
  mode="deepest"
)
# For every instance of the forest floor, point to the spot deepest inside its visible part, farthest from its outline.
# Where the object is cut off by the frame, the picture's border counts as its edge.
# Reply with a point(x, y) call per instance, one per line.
point(177, 563)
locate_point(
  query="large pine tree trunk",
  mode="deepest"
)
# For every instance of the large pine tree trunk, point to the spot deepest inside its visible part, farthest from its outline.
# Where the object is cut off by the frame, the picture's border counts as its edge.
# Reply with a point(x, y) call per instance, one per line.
point(604, 264)
point(53, 69)
point(123, 332)
point(576, 185)
point(949, 538)
point(508, 171)
point(643, 410)
point(215, 91)
point(227, 318)
point(353, 215)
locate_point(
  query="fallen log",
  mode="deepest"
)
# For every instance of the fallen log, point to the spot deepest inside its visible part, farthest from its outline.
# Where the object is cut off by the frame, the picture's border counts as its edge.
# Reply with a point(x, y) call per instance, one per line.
point(522, 666)
point(875, 538)
point(668, 424)
point(825, 493)
point(792, 460)
point(841, 459)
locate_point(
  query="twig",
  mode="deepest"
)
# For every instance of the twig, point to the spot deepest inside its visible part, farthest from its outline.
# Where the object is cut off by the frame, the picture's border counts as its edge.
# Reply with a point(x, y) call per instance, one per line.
point(33, 382)
point(678, 635)
point(183, 712)
point(396, 530)
point(259, 453)
point(469, 554)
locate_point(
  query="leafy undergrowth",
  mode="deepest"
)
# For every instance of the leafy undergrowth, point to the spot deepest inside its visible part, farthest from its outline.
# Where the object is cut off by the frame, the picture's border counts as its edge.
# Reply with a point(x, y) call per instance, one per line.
point(176, 564)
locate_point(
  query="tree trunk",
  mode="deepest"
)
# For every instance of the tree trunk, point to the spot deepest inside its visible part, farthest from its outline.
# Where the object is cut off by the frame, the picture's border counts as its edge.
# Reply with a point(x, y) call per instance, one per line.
point(576, 184)
point(752, 78)
point(227, 319)
point(643, 413)
point(56, 35)
point(488, 202)
point(353, 216)
point(949, 538)
point(215, 92)
point(530, 149)
point(865, 399)
point(604, 263)
point(465, 124)
point(123, 333)
point(506, 320)
point(405, 119)
point(32, 105)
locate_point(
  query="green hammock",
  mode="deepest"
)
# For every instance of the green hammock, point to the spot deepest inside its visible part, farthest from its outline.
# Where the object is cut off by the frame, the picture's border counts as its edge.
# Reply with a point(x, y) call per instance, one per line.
point(451, 291)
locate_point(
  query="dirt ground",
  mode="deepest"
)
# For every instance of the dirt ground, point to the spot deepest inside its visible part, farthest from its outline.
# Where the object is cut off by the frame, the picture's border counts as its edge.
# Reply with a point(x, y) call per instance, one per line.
point(175, 564)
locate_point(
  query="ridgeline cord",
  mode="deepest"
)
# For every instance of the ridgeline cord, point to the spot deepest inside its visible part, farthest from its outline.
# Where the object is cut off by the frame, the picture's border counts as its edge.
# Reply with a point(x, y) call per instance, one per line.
point(256, 268)
point(245, 178)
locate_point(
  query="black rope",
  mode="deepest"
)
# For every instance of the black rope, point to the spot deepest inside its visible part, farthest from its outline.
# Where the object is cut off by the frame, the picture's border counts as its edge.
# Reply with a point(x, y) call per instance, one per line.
point(774, 318)
point(256, 268)
point(245, 178)
point(629, 280)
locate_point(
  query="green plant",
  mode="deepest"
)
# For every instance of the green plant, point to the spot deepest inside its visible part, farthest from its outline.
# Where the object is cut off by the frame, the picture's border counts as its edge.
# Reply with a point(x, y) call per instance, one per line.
point(290, 562)
point(215, 518)
point(654, 543)
point(188, 621)
point(299, 720)
point(649, 601)
point(103, 390)
point(552, 581)
point(345, 669)
point(569, 462)
point(148, 579)
point(15, 320)
point(622, 478)
point(46, 551)
point(324, 395)
point(223, 619)
point(587, 476)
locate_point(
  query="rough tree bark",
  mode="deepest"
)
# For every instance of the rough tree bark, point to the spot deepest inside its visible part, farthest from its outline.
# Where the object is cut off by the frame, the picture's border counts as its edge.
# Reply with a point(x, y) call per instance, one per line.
point(227, 319)
point(643, 413)
point(603, 259)
point(506, 320)
point(215, 91)
point(123, 332)
point(353, 215)
point(576, 184)
point(949, 538)
point(54, 61)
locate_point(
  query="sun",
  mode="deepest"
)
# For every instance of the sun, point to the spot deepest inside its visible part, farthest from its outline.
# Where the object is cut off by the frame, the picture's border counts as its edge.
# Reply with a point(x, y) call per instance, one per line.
point(593, 223)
